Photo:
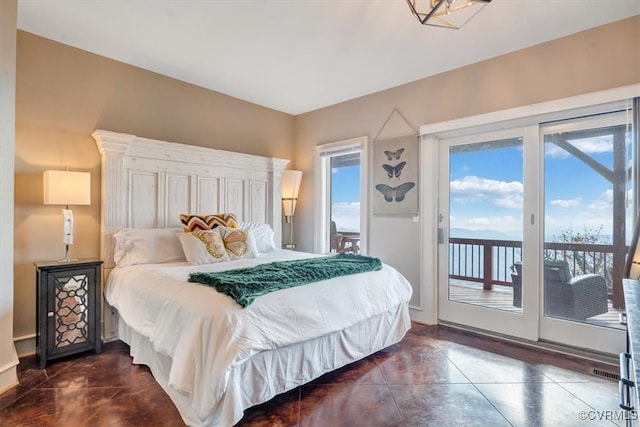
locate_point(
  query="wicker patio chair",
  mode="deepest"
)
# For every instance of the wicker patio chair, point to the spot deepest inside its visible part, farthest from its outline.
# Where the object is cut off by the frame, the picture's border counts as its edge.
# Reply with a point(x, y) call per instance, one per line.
point(576, 297)
point(567, 297)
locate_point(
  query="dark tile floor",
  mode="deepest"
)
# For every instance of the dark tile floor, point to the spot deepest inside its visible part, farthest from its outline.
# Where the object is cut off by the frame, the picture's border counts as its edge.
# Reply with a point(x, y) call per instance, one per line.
point(437, 376)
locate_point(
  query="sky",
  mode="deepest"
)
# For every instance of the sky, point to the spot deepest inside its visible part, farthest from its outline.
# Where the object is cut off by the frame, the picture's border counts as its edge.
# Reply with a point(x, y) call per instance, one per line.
point(345, 197)
point(486, 191)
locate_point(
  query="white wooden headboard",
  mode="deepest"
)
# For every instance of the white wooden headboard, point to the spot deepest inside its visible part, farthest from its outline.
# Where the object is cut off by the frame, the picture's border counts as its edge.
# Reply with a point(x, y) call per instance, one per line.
point(148, 183)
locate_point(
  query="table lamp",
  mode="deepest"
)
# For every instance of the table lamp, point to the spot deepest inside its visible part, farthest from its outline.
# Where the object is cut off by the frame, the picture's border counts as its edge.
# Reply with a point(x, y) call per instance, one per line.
point(67, 188)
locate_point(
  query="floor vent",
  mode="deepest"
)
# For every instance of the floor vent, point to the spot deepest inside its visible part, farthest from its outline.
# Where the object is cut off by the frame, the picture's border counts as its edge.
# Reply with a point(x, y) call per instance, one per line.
point(605, 374)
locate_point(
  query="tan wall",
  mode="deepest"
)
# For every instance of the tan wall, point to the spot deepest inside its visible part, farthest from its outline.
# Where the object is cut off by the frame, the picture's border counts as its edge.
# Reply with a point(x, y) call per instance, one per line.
point(601, 58)
point(8, 25)
point(62, 95)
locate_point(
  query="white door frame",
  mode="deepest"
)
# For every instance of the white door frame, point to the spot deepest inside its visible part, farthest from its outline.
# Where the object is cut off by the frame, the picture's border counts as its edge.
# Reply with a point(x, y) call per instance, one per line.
point(322, 173)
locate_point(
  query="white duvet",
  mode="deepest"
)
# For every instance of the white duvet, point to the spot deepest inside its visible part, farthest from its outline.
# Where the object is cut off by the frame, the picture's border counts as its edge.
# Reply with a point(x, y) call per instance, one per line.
point(206, 334)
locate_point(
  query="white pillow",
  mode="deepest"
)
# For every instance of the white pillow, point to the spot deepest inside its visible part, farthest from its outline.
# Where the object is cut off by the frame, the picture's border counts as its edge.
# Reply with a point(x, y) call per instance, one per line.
point(263, 235)
point(147, 246)
point(239, 242)
point(203, 246)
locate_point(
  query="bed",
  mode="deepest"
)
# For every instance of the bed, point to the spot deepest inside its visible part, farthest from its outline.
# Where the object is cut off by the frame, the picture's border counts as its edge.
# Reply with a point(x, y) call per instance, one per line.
point(210, 355)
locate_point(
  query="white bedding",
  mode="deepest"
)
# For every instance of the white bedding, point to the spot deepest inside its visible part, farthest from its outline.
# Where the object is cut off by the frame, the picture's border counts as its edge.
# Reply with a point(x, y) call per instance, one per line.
point(207, 336)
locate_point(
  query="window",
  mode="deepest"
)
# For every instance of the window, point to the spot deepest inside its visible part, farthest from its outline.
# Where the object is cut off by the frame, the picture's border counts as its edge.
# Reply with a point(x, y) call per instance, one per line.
point(341, 197)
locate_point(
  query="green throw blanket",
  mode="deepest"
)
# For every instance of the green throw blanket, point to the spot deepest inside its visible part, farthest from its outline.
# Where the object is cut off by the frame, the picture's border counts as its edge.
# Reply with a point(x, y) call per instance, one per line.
point(246, 284)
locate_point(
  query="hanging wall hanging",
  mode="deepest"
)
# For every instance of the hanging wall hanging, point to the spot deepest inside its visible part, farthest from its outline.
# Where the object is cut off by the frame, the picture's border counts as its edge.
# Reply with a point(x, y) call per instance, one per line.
point(395, 175)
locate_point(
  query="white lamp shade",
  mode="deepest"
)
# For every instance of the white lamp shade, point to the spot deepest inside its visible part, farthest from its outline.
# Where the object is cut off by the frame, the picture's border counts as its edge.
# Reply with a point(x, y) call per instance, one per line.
point(291, 180)
point(67, 188)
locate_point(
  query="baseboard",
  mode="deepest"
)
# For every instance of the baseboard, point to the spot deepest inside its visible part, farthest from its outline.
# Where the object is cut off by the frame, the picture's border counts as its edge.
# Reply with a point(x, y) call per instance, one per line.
point(541, 345)
point(9, 374)
point(25, 345)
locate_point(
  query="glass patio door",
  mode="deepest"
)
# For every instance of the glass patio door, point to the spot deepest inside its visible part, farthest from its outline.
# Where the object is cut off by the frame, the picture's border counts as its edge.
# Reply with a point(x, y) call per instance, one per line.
point(587, 211)
point(481, 232)
point(533, 228)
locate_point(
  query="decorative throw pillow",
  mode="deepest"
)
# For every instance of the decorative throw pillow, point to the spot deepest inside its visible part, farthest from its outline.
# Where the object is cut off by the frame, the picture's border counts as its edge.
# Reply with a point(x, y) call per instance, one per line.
point(238, 242)
point(207, 222)
point(203, 247)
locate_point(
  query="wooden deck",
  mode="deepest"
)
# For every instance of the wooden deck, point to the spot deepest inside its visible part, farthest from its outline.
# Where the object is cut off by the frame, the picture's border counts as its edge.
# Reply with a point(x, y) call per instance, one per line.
point(501, 298)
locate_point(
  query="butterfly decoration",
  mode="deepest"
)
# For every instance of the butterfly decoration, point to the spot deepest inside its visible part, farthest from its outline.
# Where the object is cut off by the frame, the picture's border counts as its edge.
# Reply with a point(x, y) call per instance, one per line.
point(394, 154)
point(395, 193)
point(213, 242)
point(235, 241)
point(394, 171)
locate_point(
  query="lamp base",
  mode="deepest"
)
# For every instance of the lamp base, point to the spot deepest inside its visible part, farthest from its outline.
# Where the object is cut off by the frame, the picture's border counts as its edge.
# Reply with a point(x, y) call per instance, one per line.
point(67, 259)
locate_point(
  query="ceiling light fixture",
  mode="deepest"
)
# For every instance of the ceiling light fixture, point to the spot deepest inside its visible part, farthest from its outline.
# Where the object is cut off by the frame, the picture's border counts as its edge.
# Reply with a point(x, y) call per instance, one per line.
point(446, 13)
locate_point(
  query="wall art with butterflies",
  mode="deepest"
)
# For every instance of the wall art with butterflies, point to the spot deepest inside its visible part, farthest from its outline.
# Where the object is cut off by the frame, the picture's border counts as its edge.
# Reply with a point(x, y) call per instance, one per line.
point(395, 176)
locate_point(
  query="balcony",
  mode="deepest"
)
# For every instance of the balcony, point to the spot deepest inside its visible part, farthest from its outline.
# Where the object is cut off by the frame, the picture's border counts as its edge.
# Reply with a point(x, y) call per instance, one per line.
point(470, 258)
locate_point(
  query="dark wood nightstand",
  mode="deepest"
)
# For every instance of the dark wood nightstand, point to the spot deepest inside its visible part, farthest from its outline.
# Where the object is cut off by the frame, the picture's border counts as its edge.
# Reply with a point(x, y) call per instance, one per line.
point(67, 308)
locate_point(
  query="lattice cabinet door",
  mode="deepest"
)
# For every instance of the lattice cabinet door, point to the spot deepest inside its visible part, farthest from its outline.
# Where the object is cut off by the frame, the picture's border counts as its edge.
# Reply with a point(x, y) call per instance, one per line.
point(67, 308)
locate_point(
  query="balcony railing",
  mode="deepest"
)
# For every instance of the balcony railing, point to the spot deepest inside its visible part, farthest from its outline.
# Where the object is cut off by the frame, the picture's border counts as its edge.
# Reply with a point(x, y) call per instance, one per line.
point(469, 259)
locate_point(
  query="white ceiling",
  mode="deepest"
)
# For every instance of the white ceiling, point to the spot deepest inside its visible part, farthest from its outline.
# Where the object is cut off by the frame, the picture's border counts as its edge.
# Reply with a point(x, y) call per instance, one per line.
point(300, 55)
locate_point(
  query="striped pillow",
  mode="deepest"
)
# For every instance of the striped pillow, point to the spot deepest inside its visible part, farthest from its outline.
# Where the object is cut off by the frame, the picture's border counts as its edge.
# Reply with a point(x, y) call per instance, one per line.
point(207, 222)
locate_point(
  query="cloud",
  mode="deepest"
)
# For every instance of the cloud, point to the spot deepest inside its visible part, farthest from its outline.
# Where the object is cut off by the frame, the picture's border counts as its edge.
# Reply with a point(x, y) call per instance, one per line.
point(604, 202)
point(472, 189)
point(568, 203)
point(592, 215)
point(346, 215)
point(601, 144)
